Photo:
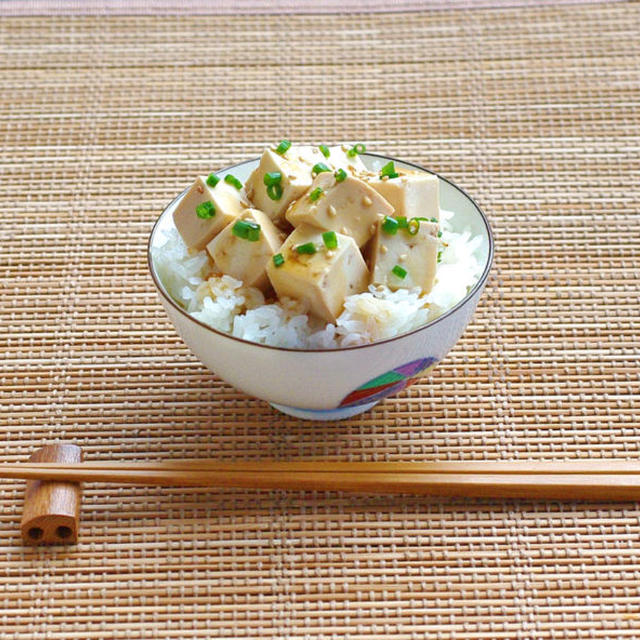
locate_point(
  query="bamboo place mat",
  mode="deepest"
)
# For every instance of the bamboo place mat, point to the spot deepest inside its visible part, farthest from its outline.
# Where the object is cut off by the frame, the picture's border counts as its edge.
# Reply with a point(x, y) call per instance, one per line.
point(104, 119)
point(235, 7)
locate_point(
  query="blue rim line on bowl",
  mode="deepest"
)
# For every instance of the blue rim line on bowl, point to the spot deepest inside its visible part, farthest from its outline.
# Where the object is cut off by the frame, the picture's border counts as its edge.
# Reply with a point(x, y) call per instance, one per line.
point(479, 284)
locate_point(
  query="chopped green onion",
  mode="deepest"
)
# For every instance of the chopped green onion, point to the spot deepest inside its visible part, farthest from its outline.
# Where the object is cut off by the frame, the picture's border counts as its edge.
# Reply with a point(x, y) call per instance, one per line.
point(316, 193)
point(324, 150)
point(274, 191)
point(439, 234)
point(402, 222)
point(319, 168)
point(413, 226)
point(356, 149)
point(212, 180)
point(439, 256)
point(283, 147)
point(389, 170)
point(340, 175)
point(278, 260)
point(390, 226)
point(206, 210)
point(434, 219)
point(232, 180)
point(330, 239)
point(272, 177)
point(399, 272)
point(308, 247)
point(246, 230)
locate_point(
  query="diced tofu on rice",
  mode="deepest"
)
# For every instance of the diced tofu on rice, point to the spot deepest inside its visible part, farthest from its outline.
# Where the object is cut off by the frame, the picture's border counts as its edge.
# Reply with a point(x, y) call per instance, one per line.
point(326, 295)
point(411, 195)
point(294, 167)
point(204, 211)
point(245, 246)
point(319, 277)
point(350, 207)
point(339, 158)
point(404, 260)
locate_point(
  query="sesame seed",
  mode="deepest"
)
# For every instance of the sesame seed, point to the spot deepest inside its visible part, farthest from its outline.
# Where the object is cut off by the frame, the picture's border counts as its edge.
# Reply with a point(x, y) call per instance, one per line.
point(200, 188)
point(367, 201)
point(384, 178)
point(292, 177)
point(313, 209)
point(383, 249)
point(402, 257)
point(332, 211)
point(344, 231)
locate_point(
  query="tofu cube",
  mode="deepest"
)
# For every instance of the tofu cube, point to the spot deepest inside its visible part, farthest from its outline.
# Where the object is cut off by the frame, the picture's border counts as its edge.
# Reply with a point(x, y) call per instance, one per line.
point(322, 280)
point(416, 254)
point(306, 154)
point(411, 194)
point(350, 207)
point(339, 159)
point(199, 224)
point(296, 179)
point(244, 258)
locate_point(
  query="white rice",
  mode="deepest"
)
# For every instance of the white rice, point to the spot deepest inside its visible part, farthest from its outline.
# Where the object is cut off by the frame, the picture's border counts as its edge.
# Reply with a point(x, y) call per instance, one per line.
point(224, 303)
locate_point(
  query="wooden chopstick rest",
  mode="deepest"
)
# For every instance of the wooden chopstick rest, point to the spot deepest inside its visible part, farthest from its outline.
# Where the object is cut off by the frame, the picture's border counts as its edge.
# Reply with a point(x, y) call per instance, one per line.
point(52, 508)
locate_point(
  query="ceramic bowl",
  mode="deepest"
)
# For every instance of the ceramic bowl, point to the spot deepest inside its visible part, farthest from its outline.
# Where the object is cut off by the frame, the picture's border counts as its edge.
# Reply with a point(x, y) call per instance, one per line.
point(336, 383)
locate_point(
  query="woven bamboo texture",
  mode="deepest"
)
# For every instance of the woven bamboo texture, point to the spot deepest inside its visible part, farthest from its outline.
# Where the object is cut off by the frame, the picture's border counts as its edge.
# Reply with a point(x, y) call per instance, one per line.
point(235, 7)
point(535, 111)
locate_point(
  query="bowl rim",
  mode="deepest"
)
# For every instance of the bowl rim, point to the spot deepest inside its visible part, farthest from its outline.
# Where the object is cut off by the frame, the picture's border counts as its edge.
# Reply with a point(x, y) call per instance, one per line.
point(476, 287)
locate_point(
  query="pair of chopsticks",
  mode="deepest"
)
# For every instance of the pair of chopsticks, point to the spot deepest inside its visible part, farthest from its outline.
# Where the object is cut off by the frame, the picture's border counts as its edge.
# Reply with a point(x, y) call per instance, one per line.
point(576, 480)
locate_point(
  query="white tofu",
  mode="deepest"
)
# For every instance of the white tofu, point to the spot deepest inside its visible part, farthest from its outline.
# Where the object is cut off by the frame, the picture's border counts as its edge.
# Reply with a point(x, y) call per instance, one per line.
point(323, 280)
point(411, 194)
point(306, 154)
point(350, 207)
point(296, 179)
point(416, 254)
point(245, 259)
point(338, 159)
point(227, 203)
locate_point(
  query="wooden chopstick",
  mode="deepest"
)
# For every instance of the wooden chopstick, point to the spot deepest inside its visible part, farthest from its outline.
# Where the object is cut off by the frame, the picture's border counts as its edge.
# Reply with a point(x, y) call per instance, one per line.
point(576, 480)
point(534, 467)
